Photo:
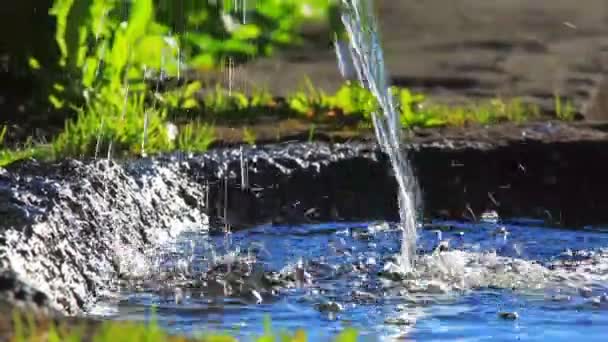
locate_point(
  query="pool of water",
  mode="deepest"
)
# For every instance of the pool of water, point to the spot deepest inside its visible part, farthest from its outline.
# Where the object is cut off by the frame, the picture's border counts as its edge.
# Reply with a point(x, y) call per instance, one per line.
point(554, 280)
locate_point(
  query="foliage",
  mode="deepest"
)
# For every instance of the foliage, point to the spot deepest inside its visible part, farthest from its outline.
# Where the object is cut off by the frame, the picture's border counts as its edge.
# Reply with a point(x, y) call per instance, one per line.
point(415, 110)
point(195, 137)
point(211, 32)
point(127, 123)
point(3, 135)
point(181, 100)
point(350, 99)
point(249, 136)
point(104, 50)
point(564, 110)
point(28, 150)
point(101, 43)
point(132, 128)
point(230, 105)
point(8, 156)
point(482, 113)
point(411, 115)
point(33, 331)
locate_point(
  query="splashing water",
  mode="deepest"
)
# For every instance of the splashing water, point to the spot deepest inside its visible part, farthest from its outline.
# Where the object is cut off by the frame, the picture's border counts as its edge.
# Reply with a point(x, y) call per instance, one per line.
point(368, 62)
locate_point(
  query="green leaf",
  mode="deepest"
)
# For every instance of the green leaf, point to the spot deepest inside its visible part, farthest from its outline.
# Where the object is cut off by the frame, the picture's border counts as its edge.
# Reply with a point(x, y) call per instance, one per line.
point(56, 102)
point(348, 335)
point(71, 32)
point(192, 88)
point(3, 134)
point(142, 14)
point(204, 60)
point(33, 63)
point(154, 52)
point(61, 10)
point(190, 104)
point(89, 72)
point(246, 32)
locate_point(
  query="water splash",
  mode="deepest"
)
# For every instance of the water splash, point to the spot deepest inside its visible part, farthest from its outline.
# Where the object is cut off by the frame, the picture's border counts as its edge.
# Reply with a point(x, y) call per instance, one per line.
point(368, 61)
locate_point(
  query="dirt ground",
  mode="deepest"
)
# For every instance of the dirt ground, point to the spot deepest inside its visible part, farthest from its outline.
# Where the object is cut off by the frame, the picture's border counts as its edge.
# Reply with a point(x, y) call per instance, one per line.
point(461, 50)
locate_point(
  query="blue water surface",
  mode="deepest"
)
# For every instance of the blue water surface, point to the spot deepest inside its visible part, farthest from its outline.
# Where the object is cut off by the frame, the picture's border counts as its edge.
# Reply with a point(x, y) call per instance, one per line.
point(463, 316)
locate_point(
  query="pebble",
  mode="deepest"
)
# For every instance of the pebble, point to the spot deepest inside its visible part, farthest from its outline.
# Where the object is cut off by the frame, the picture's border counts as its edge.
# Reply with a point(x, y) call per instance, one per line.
point(397, 321)
point(437, 288)
point(501, 231)
point(178, 296)
point(585, 292)
point(364, 296)
point(508, 315)
point(489, 217)
point(560, 298)
point(329, 307)
point(596, 301)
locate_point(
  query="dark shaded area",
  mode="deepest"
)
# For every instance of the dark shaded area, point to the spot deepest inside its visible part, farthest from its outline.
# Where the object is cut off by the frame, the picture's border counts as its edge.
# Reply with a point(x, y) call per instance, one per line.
point(28, 31)
point(562, 183)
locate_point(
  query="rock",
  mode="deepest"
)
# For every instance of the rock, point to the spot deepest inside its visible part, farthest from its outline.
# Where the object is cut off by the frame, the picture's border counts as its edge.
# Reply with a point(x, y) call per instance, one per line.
point(560, 298)
point(595, 301)
point(436, 288)
point(68, 228)
point(329, 307)
point(398, 321)
point(586, 292)
point(75, 225)
point(365, 297)
point(489, 217)
point(508, 315)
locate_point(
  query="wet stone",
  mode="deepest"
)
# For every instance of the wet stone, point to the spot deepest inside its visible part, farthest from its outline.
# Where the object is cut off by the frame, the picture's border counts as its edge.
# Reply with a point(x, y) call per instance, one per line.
point(330, 307)
point(510, 316)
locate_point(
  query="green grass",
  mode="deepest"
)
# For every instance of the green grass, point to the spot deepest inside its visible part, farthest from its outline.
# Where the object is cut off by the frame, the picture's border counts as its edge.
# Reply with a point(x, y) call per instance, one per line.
point(195, 137)
point(103, 125)
point(115, 122)
point(28, 150)
point(28, 329)
point(564, 110)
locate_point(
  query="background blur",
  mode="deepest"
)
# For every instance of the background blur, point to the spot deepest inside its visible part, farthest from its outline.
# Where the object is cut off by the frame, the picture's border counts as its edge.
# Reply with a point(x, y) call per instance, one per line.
point(54, 54)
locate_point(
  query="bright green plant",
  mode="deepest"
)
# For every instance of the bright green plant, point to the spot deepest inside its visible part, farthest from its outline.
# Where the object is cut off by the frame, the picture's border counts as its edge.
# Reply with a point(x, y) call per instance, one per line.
point(354, 99)
point(350, 99)
point(564, 110)
point(212, 32)
point(3, 135)
point(426, 114)
point(110, 55)
point(231, 105)
point(101, 126)
point(28, 150)
point(180, 100)
point(195, 137)
point(35, 330)
point(249, 136)
point(101, 48)
point(311, 132)
point(410, 114)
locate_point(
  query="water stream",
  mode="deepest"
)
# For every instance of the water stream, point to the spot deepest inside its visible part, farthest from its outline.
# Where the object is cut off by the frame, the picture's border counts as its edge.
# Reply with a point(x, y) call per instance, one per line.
point(367, 58)
point(325, 277)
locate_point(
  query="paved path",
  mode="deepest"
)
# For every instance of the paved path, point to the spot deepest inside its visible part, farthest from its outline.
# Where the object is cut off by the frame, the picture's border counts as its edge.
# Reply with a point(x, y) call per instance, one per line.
point(466, 49)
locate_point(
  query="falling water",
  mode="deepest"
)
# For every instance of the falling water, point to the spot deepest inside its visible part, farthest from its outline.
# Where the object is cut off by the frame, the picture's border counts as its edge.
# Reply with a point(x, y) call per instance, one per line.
point(367, 59)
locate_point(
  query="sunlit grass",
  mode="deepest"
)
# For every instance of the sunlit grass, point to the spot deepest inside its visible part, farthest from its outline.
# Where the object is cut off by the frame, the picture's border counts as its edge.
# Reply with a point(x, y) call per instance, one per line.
point(25, 328)
point(183, 119)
